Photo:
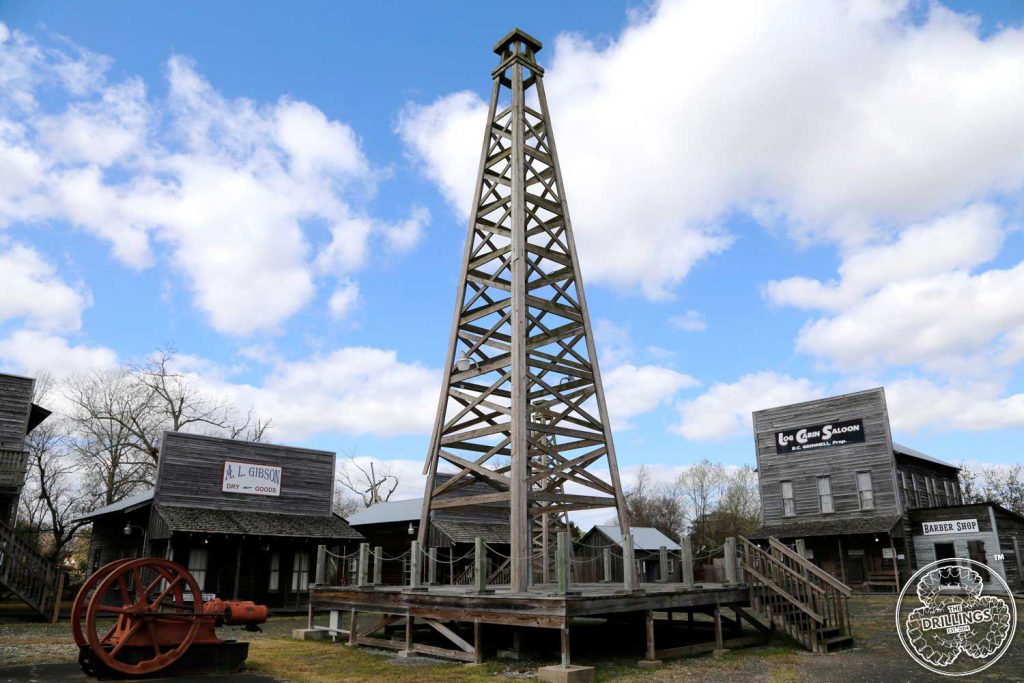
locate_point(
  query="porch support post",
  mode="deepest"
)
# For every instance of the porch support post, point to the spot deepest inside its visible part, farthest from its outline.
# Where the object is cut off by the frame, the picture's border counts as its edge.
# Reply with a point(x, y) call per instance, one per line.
point(686, 561)
point(662, 564)
point(629, 577)
point(378, 559)
point(364, 564)
point(607, 556)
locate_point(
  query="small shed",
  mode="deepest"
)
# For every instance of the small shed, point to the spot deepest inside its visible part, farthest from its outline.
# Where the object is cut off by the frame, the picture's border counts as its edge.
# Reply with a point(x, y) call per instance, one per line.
point(647, 545)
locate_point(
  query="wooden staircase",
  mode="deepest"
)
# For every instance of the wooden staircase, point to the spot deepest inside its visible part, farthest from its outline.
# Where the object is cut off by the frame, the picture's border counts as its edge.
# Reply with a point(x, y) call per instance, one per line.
point(30, 576)
point(796, 596)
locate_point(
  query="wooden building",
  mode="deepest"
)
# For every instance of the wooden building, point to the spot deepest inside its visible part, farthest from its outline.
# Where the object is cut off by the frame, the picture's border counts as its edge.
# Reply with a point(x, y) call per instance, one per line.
point(23, 571)
point(647, 545)
point(833, 483)
point(392, 526)
point(245, 518)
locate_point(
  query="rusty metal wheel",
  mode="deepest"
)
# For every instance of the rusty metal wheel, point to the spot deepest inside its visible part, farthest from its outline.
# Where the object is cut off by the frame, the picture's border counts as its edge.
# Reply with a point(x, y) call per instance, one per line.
point(138, 620)
point(82, 599)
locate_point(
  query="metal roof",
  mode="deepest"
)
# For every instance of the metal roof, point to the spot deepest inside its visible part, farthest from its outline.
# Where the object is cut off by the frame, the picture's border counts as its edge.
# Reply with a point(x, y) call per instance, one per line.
point(644, 538)
point(905, 450)
point(124, 505)
point(391, 511)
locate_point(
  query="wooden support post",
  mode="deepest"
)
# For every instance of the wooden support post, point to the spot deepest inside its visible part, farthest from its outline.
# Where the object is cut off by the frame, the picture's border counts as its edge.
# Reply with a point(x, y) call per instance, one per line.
point(801, 550)
point(650, 635)
point(432, 567)
point(686, 563)
point(562, 562)
point(238, 569)
point(415, 575)
point(59, 594)
point(607, 556)
point(629, 577)
point(719, 641)
point(309, 616)
point(842, 560)
point(321, 565)
point(409, 619)
point(662, 564)
point(565, 648)
point(478, 643)
point(731, 575)
point(895, 567)
point(480, 566)
point(352, 627)
point(378, 565)
point(363, 569)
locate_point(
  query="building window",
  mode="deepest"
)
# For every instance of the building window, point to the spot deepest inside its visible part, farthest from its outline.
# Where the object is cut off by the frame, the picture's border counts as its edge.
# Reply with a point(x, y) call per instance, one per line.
point(97, 555)
point(825, 494)
point(788, 504)
point(947, 488)
point(906, 492)
point(274, 582)
point(917, 496)
point(865, 491)
point(300, 571)
point(929, 491)
point(197, 566)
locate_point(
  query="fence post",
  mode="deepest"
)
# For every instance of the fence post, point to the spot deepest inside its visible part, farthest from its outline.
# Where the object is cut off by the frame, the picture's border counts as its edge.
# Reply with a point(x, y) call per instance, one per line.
point(801, 550)
point(562, 562)
point(415, 576)
point(432, 566)
point(480, 565)
point(321, 565)
point(662, 564)
point(607, 553)
point(686, 561)
point(364, 564)
point(730, 560)
point(378, 561)
point(629, 577)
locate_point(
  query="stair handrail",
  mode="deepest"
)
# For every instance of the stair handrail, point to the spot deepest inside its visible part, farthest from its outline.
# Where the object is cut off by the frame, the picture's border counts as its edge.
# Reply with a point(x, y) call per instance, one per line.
point(42, 591)
point(810, 566)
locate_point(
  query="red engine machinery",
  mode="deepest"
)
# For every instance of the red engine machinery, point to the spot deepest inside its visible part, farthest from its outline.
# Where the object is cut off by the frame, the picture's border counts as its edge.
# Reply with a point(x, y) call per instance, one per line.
point(144, 616)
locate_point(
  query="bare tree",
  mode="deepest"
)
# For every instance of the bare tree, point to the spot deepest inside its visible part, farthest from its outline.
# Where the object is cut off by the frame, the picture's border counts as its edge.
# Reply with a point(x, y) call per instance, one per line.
point(372, 483)
point(700, 487)
point(654, 505)
point(115, 462)
point(1001, 484)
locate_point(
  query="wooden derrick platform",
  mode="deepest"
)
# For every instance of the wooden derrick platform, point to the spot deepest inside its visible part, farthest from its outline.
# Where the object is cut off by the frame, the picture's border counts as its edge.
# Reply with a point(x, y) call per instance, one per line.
point(443, 608)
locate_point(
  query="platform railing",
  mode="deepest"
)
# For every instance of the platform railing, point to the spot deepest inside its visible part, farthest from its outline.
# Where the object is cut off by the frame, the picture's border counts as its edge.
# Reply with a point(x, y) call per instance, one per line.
point(30, 576)
point(806, 602)
point(12, 468)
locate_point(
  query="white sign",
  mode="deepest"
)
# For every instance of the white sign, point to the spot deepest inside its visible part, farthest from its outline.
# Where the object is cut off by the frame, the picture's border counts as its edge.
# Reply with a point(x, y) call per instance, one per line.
point(953, 526)
point(886, 553)
point(258, 480)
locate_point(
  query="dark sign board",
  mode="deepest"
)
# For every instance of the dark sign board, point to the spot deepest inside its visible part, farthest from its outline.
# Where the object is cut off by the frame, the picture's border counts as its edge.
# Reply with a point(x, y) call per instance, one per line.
point(819, 436)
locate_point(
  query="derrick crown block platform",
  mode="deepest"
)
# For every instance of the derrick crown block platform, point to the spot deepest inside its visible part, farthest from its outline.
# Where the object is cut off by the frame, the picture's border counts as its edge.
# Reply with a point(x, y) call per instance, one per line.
point(522, 437)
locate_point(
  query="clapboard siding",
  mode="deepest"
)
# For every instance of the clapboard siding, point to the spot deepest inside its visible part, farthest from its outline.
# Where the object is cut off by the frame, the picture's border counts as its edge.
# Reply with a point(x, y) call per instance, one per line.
point(191, 469)
point(840, 463)
point(916, 472)
point(15, 404)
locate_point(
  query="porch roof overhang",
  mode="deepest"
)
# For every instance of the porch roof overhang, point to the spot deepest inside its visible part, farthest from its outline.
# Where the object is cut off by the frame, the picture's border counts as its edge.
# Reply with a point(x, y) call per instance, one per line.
point(237, 522)
point(876, 524)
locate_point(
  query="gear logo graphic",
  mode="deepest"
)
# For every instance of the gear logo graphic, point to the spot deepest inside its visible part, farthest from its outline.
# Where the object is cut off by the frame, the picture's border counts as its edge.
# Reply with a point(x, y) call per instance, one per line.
point(956, 626)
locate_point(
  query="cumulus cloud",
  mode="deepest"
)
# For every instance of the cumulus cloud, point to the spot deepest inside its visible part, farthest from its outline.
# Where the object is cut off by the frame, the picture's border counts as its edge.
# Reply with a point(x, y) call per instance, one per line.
point(724, 410)
point(632, 390)
point(835, 121)
point(33, 290)
point(234, 187)
point(691, 321)
point(34, 353)
point(344, 300)
point(350, 390)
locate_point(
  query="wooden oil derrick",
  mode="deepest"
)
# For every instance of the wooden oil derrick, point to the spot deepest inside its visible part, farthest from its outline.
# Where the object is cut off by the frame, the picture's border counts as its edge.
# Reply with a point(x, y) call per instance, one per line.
point(522, 408)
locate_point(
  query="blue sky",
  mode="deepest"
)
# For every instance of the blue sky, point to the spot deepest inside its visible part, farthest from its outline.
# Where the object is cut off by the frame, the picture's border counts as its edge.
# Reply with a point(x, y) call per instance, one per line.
point(771, 205)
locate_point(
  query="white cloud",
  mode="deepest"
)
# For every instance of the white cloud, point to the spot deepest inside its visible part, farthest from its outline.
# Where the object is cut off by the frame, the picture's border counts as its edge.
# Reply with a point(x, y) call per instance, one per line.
point(32, 289)
point(344, 300)
point(33, 353)
point(350, 390)
point(238, 190)
point(954, 242)
point(691, 321)
point(836, 120)
point(724, 410)
point(915, 403)
point(632, 390)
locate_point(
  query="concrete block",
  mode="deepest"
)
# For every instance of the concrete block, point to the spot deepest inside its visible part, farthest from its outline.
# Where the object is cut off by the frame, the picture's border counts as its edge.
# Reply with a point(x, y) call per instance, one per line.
point(649, 663)
point(310, 634)
point(566, 674)
point(720, 653)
